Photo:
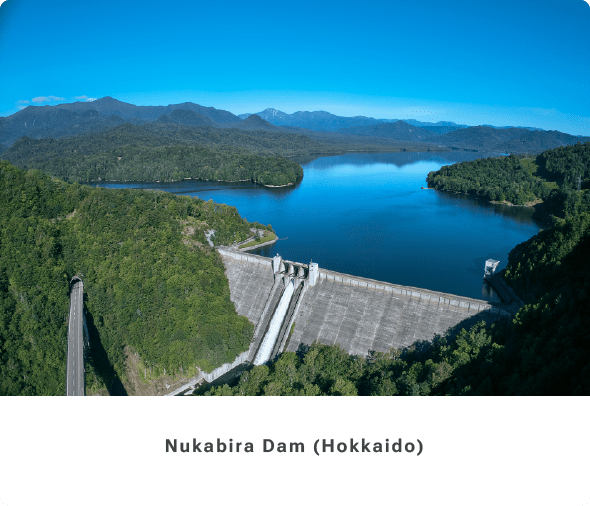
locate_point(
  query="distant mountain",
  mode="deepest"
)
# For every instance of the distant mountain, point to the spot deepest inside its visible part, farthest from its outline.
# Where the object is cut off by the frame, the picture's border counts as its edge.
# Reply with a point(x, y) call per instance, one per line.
point(324, 121)
point(79, 117)
point(400, 130)
point(537, 141)
point(95, 124)
point(15, 126)
point(255, 122)
point(48, 121)
point(320, 121)
point(440, 129)
point(217, 115)
point(186, 117)
point(273, 116)
point(479, 137)
point(336, 133)
point(506, 140)
point(425, 124)
point(532, 129)
point(110, 106)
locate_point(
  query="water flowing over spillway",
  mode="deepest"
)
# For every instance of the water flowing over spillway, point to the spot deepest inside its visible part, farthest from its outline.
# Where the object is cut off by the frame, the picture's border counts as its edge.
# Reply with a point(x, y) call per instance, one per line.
point(275, 325)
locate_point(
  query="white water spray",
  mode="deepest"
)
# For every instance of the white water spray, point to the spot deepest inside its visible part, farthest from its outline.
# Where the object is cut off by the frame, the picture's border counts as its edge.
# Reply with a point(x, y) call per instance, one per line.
point(275, 326)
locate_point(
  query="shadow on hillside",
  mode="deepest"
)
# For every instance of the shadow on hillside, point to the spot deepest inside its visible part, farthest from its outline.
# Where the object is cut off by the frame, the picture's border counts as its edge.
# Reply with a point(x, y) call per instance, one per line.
point(99, 360)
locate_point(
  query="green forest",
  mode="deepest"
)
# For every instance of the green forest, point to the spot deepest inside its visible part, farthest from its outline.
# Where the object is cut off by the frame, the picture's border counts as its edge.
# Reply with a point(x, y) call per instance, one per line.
point(566, 164)
point(507, 179)
point(543, 350)
point(160, 134)
point(551, 176)
point(75, 162)
point(151, 280)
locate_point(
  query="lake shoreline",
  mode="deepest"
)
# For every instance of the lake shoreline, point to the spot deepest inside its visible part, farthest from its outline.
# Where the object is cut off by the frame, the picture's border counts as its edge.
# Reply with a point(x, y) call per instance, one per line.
point(100, 181)
point(529, 205)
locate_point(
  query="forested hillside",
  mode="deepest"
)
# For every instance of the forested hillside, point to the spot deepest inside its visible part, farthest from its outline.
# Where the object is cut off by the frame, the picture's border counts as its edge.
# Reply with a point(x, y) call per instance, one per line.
point(565, 164)
point(165, 134)
point(399, 130)
point(506, 179)
point(151, 280)
point(144, 163)
point(550, 176)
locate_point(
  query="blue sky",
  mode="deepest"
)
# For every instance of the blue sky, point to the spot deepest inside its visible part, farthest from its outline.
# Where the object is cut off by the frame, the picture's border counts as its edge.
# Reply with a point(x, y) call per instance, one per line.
point(501, 62)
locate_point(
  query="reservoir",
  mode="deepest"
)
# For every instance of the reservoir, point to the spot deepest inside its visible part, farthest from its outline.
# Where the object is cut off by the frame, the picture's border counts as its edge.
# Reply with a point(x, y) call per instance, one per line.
point(365, 214)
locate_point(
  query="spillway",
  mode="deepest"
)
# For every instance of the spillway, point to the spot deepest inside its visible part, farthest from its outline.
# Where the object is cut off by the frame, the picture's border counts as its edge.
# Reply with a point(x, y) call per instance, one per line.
point(274, 327)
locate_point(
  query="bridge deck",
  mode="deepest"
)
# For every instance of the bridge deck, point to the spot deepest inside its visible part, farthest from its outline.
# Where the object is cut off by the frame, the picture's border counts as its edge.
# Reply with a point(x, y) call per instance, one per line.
point(75, 364)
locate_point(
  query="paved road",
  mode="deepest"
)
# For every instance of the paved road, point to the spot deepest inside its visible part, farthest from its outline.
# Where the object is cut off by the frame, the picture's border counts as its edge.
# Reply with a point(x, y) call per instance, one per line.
point(75, 369)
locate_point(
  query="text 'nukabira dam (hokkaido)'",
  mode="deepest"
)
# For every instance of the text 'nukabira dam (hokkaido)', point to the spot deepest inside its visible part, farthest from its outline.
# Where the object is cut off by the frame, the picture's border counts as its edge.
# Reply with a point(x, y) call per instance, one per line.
point(293, 304)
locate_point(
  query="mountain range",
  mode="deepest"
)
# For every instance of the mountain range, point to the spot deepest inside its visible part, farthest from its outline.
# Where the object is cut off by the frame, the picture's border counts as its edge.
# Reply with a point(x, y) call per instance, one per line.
point(72, 119)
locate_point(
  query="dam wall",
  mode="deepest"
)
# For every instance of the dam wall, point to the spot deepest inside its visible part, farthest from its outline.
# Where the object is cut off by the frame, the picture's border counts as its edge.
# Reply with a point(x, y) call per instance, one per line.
point(358, 314)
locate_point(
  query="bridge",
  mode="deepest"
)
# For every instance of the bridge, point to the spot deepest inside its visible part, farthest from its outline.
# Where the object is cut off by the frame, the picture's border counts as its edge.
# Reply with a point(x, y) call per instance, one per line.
point(77, 340)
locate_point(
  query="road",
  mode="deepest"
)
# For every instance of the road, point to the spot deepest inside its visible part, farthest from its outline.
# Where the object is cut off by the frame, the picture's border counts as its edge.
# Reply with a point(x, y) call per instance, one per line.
point(75, 369)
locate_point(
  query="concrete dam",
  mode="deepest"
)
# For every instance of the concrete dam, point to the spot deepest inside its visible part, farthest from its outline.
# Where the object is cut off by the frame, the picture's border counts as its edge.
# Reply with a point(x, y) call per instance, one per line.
point(292, 303)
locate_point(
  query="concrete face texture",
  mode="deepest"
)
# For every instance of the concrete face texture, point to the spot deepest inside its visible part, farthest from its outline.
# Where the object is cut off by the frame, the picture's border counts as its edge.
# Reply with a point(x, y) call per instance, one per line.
point(352, 312)
point(249, 284)
point(360, 319)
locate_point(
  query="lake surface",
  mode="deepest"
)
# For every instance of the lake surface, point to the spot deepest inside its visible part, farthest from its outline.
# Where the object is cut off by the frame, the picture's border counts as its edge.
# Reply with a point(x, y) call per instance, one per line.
point(365, 214)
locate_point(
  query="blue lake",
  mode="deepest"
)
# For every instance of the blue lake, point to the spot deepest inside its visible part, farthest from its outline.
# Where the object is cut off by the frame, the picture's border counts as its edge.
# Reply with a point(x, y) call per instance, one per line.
point(366, 215)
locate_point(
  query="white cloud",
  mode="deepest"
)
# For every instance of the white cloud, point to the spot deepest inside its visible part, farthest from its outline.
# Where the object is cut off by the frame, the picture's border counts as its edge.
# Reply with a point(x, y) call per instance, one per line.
point(50, 98)
point(85, 98)
point(21, 107)
point(23, 102)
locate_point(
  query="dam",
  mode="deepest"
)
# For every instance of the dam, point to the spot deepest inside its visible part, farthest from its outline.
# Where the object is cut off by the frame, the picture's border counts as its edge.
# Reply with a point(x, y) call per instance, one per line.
point(293, 304)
